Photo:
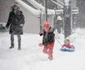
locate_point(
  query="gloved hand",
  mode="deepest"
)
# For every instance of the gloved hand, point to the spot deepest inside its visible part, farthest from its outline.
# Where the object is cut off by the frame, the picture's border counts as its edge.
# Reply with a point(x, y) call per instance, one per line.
point(41, 33)
point(64, 47)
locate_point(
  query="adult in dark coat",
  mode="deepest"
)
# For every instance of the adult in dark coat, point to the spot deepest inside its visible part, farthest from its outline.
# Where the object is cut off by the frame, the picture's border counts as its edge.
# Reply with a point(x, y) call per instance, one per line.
point(16, 23)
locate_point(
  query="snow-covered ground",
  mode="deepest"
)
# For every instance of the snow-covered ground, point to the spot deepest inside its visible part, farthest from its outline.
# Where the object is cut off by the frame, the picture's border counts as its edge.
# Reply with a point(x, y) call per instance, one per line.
point(31, 56)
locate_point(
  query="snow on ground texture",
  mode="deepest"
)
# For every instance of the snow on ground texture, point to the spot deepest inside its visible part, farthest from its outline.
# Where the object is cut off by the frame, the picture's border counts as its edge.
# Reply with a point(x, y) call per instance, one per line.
point(32, 58)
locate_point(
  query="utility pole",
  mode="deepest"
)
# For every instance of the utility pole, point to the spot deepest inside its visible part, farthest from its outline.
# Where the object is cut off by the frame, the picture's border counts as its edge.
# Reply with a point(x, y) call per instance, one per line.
point(46, 13)
point(40, 20)
point(67, 18)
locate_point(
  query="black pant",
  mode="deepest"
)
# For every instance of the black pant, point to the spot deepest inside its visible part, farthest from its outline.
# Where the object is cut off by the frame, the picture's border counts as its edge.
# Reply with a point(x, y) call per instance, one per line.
point(19, 40)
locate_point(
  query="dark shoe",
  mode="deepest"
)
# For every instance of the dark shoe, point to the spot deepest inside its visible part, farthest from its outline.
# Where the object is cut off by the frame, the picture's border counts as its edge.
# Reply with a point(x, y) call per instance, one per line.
point(11, 47)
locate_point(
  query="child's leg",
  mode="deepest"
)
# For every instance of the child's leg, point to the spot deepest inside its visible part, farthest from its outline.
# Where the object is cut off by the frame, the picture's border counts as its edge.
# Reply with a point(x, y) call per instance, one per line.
point(50, 51)
point(45, 49)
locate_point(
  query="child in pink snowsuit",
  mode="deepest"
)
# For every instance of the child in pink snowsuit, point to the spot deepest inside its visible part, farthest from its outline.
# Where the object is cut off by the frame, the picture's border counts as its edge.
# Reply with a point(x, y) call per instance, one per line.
point(67, 47)
point(48, 40)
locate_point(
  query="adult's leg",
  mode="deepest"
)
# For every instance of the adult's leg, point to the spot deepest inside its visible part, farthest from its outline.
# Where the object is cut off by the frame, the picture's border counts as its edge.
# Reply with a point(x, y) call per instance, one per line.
point(12, 41)
point(19, 42)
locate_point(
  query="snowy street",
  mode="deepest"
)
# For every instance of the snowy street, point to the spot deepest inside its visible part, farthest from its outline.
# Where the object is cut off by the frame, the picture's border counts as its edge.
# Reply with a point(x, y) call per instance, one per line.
point(31, 56)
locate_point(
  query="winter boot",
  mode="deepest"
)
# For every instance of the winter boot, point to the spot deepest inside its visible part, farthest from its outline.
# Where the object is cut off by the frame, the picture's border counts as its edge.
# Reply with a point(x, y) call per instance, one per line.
point(19, 45)
point(19, 48)
point(12, 41)
point(12, 46)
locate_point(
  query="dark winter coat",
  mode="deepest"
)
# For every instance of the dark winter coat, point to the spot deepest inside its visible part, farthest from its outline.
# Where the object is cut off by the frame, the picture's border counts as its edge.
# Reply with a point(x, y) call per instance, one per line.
point(15, 21)
point(48, 38)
